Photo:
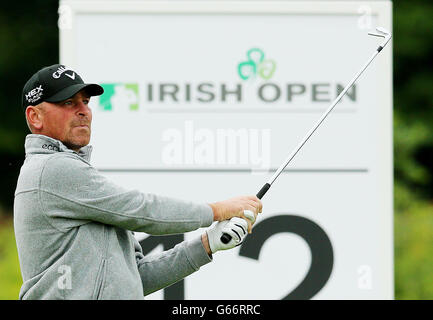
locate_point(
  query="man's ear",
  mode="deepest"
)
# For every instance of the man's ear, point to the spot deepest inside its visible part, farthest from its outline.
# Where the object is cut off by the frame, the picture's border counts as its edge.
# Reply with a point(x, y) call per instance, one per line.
point(34, 117)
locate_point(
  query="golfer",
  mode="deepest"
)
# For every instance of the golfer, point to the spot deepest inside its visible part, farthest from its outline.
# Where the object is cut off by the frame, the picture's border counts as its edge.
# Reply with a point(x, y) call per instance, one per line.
point(74, 227)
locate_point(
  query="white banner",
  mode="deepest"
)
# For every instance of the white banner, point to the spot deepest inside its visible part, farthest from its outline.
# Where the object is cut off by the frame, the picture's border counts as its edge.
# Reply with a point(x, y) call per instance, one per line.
point(204, 100)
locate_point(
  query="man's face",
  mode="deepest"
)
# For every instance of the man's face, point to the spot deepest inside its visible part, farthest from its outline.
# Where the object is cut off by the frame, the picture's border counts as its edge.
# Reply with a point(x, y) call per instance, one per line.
point(68, 121)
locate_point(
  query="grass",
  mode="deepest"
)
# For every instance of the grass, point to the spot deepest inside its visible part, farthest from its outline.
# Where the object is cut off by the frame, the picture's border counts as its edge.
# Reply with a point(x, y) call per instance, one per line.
point(413, 239)
point(10, 274)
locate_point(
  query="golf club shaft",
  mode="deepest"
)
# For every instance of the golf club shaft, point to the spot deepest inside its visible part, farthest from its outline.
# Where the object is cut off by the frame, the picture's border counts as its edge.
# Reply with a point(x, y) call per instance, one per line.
point(319, 122)
point(225, 238)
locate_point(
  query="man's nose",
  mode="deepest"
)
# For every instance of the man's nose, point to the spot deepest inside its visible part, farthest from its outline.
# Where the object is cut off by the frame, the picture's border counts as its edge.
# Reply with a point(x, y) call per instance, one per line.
point(83, 109)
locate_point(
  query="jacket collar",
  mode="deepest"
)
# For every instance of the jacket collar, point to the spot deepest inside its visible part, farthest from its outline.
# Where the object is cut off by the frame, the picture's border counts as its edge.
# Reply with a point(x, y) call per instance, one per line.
point(37, 143)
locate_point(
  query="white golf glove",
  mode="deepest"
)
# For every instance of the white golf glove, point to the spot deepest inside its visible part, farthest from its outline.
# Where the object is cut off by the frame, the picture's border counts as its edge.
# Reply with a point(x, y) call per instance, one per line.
point(236, 227)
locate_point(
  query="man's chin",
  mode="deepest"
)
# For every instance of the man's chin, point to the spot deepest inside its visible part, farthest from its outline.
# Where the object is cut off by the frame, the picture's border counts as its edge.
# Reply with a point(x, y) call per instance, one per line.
point(76, 145)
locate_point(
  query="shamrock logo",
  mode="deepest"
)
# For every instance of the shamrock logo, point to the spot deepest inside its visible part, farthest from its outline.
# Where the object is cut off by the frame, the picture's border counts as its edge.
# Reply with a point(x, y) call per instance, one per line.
point(256, 64)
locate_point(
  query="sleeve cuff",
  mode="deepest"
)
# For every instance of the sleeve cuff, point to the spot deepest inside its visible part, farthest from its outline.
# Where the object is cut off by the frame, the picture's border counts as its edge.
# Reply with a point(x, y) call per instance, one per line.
point(207, 218)
point(197, 253)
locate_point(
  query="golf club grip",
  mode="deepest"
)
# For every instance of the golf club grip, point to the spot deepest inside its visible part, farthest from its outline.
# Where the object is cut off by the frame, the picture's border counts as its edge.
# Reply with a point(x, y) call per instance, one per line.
point(225, 238)
point(263, 191)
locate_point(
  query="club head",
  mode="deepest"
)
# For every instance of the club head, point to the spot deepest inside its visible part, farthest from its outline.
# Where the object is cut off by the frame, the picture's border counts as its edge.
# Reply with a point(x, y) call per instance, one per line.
point(383, 33)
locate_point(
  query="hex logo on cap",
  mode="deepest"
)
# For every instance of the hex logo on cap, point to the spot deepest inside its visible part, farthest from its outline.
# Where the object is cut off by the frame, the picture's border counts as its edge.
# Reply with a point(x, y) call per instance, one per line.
point(35, 94)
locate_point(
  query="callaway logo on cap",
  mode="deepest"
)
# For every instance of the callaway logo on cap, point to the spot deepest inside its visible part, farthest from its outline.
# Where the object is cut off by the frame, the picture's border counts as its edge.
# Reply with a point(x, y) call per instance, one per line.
point(54, 84)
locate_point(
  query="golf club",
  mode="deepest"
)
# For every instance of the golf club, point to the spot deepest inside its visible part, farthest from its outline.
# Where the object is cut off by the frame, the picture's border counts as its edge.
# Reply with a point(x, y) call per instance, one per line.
point(381, 32)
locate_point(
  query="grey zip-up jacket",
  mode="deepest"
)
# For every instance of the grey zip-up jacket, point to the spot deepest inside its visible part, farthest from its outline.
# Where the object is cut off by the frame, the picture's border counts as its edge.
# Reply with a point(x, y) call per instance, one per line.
point(73, 230)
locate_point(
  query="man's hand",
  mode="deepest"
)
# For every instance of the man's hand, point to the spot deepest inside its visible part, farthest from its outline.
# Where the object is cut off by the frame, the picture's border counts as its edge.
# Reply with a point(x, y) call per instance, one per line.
point(235, 227)
point(227, 209)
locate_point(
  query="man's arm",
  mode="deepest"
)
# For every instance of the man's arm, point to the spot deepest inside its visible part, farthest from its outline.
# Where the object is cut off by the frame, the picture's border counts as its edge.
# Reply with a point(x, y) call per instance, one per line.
point(73, 193)
point(160, 270)
point(70, 188)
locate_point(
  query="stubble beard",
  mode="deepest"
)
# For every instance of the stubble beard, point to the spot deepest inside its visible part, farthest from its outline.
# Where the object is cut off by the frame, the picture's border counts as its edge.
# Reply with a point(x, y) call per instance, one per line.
point(76, 143)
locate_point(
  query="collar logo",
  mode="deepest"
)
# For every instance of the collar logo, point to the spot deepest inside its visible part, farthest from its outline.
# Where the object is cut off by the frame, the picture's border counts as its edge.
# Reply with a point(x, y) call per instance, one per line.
point(34, 94)
point(50, 147)
point(62, 70)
